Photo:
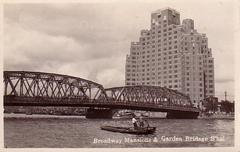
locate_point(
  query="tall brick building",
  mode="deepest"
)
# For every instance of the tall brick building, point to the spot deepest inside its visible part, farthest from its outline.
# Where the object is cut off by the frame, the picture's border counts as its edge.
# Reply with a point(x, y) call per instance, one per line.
point(172, 55)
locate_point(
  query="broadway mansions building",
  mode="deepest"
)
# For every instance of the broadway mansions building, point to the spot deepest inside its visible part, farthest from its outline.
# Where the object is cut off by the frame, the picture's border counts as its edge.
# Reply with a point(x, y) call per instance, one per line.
point(172, 55)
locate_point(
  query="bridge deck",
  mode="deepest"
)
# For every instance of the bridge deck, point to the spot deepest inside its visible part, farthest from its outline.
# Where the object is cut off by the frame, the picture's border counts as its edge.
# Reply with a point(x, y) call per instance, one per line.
point(29, 101)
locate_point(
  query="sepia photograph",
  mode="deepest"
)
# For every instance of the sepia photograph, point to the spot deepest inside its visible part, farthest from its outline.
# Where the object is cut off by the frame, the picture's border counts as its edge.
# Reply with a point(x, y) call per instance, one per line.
point(134, 74)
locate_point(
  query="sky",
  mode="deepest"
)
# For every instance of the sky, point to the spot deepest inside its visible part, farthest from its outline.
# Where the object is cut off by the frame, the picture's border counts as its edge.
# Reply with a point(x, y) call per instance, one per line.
point(91, 40)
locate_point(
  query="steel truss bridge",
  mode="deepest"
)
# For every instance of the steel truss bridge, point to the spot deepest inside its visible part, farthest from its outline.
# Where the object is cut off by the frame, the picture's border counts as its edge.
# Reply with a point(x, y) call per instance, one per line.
point(25, 88)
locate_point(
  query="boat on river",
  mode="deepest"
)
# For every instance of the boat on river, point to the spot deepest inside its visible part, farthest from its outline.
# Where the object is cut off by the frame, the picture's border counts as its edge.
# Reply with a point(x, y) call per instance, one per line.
point(130, 130)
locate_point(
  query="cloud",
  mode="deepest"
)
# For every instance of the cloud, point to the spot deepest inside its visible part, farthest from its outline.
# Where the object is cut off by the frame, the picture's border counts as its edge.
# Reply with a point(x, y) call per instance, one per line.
point(39, 48)
point(33, 50)
point(110, 76)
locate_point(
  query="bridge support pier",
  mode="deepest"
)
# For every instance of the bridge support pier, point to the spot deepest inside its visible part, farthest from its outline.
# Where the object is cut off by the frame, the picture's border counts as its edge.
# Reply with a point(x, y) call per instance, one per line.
point(93, 113)
point(182, 115)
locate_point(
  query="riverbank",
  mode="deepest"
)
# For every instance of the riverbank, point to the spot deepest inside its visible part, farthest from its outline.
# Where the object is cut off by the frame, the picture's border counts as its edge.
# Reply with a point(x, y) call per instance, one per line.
point(13, 115)
point(217, 116)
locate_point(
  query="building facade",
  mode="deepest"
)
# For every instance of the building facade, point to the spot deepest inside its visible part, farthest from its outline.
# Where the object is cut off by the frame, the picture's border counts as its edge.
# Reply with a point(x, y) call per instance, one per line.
point(172, 55)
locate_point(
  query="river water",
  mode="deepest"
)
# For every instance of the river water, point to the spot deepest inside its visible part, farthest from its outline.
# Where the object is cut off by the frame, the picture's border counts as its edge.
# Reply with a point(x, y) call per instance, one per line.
point(77, 132)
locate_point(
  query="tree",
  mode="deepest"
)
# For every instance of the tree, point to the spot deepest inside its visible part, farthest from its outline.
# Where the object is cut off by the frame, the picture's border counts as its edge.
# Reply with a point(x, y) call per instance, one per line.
point(227, 106)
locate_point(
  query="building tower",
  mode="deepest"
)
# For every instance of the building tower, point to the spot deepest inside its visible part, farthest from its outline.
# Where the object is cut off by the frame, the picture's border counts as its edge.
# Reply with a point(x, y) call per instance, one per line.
point(172, 55)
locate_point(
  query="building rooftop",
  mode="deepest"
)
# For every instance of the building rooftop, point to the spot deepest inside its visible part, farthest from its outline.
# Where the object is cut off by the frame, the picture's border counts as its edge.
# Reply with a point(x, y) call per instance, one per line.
point(165, 8)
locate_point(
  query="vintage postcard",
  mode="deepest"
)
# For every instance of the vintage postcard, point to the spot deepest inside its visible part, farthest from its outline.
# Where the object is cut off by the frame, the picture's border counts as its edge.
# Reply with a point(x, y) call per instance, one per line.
point(126, 75)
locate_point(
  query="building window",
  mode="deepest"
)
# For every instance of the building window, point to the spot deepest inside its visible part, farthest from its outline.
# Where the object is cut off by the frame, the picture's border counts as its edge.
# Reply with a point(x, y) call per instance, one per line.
point(210, 86)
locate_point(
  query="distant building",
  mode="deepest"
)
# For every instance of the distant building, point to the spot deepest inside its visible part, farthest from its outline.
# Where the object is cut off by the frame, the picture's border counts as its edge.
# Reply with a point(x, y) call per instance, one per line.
point(172, 55)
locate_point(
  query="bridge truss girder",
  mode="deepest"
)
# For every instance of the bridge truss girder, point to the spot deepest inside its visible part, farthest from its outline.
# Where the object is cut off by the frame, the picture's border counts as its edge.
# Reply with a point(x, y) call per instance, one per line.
point(49, 85)
point(148, 95)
